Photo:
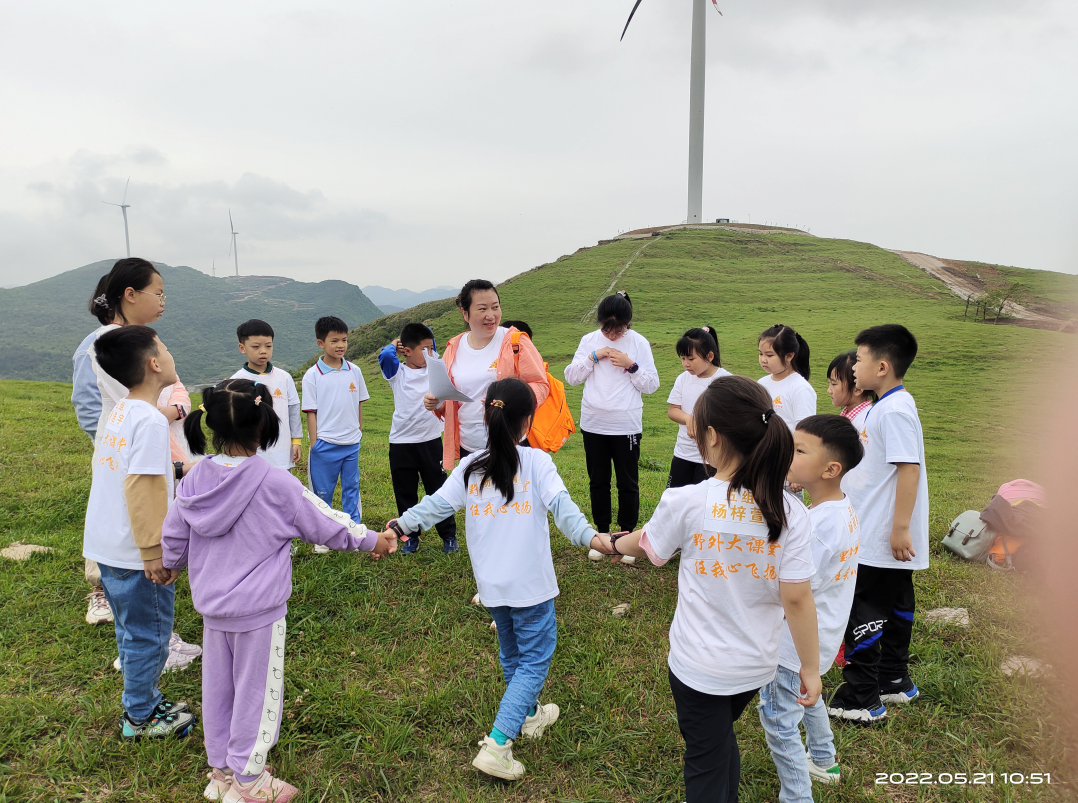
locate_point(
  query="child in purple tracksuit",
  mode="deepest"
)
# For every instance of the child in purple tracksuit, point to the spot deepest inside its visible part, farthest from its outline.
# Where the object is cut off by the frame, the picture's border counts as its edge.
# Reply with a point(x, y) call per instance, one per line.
point(232, 524)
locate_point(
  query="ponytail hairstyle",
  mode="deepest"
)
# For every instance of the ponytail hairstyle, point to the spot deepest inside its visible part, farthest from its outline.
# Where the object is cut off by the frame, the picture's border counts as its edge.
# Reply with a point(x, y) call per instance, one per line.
point(701, 342)
point(615, 312)
point(133, 272)
point(784, 341)
point(740, 411)
point(240, 415)
point(508, 406)
point(464, 299)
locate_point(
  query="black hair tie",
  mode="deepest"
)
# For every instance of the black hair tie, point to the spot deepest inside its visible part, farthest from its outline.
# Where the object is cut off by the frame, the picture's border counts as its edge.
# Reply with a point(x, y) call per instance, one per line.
point(767, 415)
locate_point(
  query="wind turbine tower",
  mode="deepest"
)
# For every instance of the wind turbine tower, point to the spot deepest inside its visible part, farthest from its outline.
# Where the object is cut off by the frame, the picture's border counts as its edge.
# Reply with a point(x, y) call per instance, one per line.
point(232, 247)
point(696, 104)
point(124, 206)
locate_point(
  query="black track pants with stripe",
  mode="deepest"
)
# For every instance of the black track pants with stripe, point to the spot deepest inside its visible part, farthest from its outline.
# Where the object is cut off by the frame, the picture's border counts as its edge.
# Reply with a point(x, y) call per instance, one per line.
point(878, 634)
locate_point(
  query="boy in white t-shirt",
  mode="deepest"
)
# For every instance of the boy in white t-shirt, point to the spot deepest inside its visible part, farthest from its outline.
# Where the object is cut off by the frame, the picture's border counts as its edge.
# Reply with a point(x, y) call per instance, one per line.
point(889, 491)
point(256, 344)
point(129, 497)
point(333, 396)
point(415, 437)
point(826, 447)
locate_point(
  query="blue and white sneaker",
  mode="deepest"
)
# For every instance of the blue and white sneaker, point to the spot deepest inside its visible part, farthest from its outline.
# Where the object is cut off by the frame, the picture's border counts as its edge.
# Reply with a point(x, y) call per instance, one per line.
point(411, 546)
point(840, 707)
point(450, 545)
point(900, 692)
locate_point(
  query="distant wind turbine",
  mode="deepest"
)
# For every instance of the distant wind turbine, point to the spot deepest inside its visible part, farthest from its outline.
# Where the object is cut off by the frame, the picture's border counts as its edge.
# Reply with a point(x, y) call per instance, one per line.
point(696, 104)
point(213, 268)
point(124, 206)
point(232, 248)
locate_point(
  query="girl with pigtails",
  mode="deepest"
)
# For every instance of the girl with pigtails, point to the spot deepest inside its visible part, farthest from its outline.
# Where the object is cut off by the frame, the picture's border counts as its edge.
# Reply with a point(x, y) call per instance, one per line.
point(699, 353)
point(507, 490)
point(231, 526)
point(746, 562)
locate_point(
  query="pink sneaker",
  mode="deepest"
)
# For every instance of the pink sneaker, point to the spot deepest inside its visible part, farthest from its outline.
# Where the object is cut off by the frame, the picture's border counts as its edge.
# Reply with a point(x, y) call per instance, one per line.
point(263, 789)
point(220, 781)
point(177, 644)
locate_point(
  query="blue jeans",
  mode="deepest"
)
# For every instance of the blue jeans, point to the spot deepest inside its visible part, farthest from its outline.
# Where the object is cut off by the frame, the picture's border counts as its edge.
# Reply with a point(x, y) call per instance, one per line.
point(143, 614)
point(327, 462)
point(780, 714)
point(526, 640)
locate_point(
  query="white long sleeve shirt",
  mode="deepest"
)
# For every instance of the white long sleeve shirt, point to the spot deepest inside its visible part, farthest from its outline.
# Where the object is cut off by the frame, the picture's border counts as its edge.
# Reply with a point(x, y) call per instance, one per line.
point(612, 403)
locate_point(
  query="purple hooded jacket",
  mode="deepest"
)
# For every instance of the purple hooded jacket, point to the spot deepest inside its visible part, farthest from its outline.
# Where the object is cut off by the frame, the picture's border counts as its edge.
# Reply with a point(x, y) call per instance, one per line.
point(232, 529)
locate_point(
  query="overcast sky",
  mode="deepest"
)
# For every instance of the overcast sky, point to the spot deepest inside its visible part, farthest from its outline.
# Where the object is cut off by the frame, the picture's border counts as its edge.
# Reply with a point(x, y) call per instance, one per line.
point(424, 144)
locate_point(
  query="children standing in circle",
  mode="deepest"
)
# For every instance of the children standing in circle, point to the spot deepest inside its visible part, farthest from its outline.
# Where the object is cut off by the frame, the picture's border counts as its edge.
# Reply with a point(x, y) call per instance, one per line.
point(699, 353)
point(232, 527)
point(507, 490)
point(746, 561)
point(844, 393)
point(784, 355)
point(615, 364)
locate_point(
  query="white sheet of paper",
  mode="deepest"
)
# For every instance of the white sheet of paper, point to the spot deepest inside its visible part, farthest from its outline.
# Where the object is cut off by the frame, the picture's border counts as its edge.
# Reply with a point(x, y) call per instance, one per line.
point(441, 386)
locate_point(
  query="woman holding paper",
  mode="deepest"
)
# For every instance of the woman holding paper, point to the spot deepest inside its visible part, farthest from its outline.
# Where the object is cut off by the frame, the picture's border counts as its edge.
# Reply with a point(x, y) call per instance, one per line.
point(476, 358)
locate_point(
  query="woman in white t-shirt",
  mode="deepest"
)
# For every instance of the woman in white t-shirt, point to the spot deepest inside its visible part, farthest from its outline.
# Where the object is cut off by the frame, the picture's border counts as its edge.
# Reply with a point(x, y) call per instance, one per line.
point(507, 490)
point(616, 367)
point(746, 562)
point(699, 353)
point(476, 358)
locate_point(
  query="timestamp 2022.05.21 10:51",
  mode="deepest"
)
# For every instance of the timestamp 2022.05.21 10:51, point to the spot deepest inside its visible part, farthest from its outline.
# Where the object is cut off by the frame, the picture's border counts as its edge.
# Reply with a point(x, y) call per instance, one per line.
point(963, 778)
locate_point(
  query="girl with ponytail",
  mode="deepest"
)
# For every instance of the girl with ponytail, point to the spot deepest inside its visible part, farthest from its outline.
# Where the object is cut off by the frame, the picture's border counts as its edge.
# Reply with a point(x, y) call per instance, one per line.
point(232, 527)
point(784, 355)
point(699, 353)
point(507, 490)
point(746, 561)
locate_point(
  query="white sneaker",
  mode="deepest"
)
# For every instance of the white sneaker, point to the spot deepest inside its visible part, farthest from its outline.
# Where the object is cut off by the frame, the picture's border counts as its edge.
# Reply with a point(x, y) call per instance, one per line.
point(830, 774)
point(177, 644)
point(627, 560)
point(98, 611)
point(497, 760)
point(117, 665)
point(321, 550)
point(220, 783)
point(545, 715)
point(595, 554)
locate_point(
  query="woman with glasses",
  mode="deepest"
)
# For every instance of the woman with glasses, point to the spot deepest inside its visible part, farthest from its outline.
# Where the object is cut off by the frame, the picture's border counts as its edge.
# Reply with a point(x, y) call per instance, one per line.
point(616, 367)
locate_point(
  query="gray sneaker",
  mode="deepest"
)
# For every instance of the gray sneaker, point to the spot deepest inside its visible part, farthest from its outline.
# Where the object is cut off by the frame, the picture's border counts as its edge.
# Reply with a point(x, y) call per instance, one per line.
point(158, 727)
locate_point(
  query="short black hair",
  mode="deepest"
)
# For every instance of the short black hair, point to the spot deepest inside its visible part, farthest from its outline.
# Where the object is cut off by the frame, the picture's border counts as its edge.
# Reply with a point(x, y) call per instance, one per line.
point(839, 437)
point(892, 342)
point(253, 328)
point(415, 333)
point(842, 367)
point(122, 353)
point(615, 311)
point(520, 326)
point(330, 323)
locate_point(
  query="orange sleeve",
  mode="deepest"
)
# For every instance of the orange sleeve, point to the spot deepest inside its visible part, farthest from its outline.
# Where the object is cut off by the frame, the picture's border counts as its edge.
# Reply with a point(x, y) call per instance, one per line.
point(532, 369)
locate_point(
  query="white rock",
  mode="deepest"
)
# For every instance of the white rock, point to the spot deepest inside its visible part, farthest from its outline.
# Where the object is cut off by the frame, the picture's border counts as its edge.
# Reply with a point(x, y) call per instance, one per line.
point(1023, 665)
point(21, 551)
point(476, 600)
point(620, 610)
point(948, 616)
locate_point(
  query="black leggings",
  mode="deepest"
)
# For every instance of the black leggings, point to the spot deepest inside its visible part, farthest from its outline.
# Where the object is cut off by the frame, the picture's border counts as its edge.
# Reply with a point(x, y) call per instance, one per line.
point(685, 472)
point(410, 462)
point(712, 760)
point(624, 452)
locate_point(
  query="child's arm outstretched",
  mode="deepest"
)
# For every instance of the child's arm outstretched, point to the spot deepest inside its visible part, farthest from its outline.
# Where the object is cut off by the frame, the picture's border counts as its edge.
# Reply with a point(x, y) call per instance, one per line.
point(431, 509)
point(318, 523)
point(800, 610)
point(571, 521)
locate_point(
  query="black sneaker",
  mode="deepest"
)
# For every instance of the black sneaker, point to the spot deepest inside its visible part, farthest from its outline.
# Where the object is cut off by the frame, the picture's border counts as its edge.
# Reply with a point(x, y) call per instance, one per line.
point(157, 727)
point(843, 706)
point(166, 707)
point(900, 691)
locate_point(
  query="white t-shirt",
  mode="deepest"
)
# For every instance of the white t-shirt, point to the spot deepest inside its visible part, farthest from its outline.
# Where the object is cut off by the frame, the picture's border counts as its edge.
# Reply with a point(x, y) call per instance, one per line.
point(335, 394)
point(725, 635)
point(611, 404)
point(412, 423)
point(891, 434)
point(509, 544)
point(473, 372)
point(687, 389)
point(793, 397)
point(282, 388)
point(134, 440)
point(834, 551)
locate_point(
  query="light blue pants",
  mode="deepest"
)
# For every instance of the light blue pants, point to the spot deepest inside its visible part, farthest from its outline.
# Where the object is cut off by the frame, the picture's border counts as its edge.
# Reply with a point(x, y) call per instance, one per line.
point(143, 614)
point(780, 714)
point(526, 641)
point(326, 463)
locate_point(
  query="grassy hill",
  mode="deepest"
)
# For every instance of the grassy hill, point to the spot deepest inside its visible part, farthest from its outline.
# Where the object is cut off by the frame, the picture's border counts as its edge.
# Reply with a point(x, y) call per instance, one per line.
point(41, 324)
point(392, 675)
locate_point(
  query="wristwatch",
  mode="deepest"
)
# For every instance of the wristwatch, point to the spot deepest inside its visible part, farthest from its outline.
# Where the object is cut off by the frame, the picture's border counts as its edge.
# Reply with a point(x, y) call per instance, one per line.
point(632, 369)
point(178, 467)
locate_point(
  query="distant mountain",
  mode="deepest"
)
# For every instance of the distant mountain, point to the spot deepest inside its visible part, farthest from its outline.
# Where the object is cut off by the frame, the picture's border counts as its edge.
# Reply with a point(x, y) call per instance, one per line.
point(389, 309)
point(404, 299)
point(42, 324)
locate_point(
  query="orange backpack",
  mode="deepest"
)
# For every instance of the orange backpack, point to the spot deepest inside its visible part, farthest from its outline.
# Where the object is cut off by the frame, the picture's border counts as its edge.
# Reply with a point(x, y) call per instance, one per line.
point(553, 422)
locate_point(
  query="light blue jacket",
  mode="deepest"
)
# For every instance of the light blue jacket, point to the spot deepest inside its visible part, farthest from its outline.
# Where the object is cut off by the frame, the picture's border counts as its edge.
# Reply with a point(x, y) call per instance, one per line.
point(85, 395)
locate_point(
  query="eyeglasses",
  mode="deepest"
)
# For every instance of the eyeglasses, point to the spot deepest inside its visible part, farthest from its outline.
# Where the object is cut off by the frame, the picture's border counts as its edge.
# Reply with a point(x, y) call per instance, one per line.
point(159, 295)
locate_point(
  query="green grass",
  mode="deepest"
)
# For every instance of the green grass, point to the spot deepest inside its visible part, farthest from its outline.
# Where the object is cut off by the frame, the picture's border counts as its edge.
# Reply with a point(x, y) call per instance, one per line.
point(392, 676)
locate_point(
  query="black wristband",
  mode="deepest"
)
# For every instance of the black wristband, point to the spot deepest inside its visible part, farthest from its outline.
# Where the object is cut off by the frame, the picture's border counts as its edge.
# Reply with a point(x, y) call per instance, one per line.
point(632, 369)
point(614, 540)
point(393, 525)
point(178, 467)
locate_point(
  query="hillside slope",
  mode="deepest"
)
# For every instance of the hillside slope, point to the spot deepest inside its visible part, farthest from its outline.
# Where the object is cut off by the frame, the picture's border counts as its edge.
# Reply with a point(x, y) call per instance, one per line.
point(41, 324)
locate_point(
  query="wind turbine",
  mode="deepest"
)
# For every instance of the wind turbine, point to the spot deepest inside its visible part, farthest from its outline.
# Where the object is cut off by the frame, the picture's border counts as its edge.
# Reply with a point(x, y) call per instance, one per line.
point(213, 268)
point(124, 206)
point(232, 248)
point(696, 104)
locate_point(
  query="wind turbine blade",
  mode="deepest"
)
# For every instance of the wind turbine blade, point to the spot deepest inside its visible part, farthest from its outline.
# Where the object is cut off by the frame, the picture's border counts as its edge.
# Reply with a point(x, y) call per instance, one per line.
point(635, 7)
point(716, 4)
point(128, 184)
point(231, 225)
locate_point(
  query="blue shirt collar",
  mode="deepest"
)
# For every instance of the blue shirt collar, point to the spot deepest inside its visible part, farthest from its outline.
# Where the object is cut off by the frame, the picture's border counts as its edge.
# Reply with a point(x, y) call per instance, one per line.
point(325, 369)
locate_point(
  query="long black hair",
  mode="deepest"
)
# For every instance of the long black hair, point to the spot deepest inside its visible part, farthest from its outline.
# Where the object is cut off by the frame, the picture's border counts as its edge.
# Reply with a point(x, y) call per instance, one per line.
point(701, 342)
point(740, 411)
point(132, 272)
point(239, 413)
point(508, 405)
point(615, 311)
point(785, 341)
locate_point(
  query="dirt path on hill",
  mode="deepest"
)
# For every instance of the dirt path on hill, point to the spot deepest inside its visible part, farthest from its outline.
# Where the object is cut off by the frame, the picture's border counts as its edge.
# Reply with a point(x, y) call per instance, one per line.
point(610, 289)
